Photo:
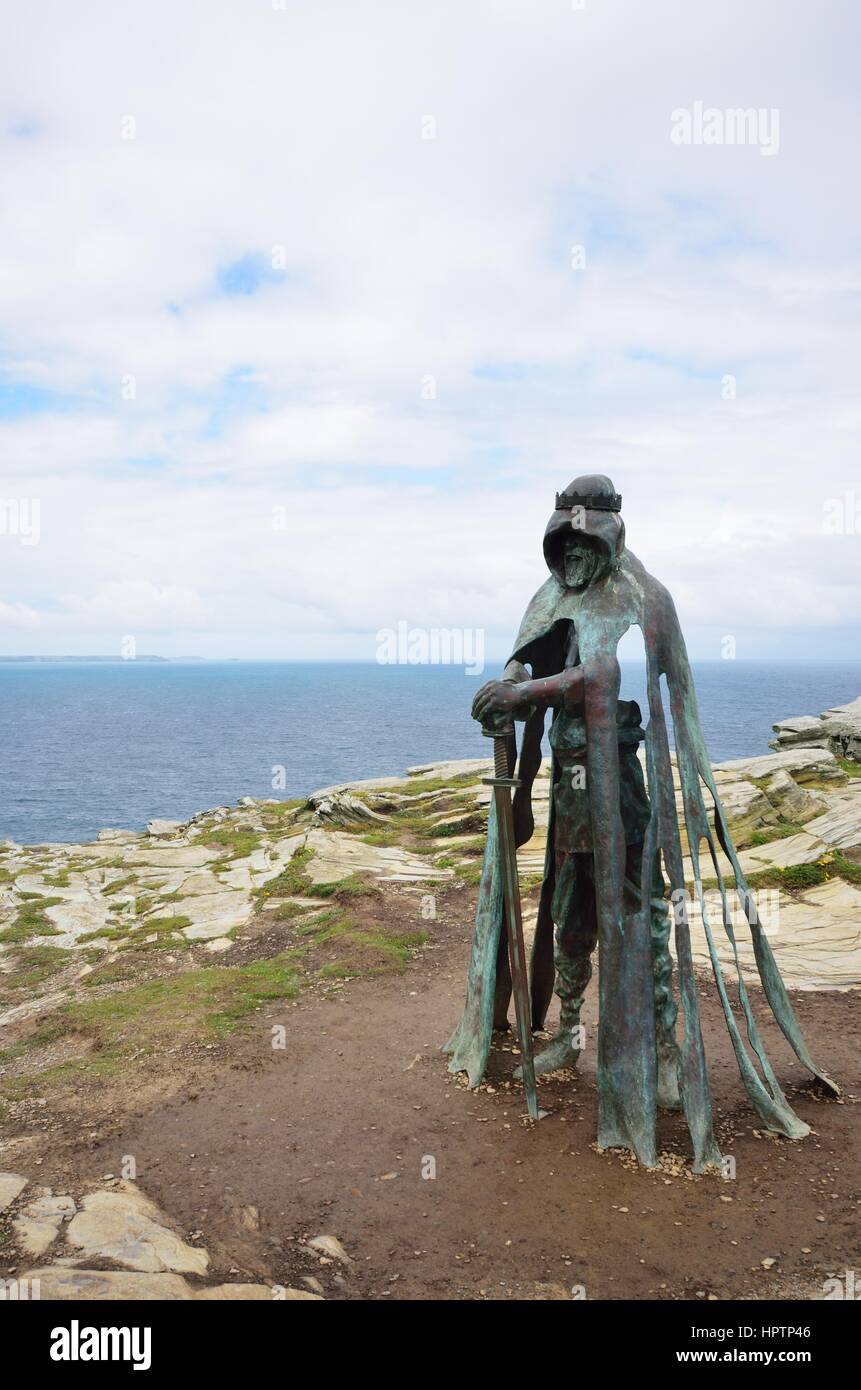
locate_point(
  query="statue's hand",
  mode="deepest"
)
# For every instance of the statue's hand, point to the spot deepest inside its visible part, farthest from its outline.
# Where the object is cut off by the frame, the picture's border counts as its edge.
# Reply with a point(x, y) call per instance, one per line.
point(496, 701)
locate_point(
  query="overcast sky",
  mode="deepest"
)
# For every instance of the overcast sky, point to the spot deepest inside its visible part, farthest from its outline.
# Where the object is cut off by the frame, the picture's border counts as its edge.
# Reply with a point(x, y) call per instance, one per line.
point(296, 341)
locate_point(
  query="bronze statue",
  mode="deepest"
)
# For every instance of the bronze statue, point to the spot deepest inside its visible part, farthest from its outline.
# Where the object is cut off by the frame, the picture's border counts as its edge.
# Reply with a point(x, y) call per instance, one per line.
point(610, 844)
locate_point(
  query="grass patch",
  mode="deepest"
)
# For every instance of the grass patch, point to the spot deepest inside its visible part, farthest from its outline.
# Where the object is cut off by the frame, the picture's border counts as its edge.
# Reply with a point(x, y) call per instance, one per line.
point(164, 928)
point(241, 843)
point(794, 878)
point(119, 884)
point(196, 1004)
point(321, 922)
point(190, 1007)
point(468, 873)
point(847, 868)
point(852, 769)
point(374, 950)
point(31, 921)
point(292, 881)
point(797, 877)
point(163, 924)
point(116, 973)
point(782, 831)
point(344, 889)
point(465, 825)
point(475, 846)
point(459, 782)
point(382, 839)
point(34, 965)
point(105, 934)
point(58, 880)
point(289, 911)
point(274, 816)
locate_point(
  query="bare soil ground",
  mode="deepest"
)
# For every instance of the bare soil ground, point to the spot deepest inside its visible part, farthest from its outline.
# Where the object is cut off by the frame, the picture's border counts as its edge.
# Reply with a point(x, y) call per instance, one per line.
point(253, 1149)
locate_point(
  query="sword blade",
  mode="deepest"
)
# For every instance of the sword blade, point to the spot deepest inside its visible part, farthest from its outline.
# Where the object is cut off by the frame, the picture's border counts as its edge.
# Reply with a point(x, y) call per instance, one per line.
point(516, 944)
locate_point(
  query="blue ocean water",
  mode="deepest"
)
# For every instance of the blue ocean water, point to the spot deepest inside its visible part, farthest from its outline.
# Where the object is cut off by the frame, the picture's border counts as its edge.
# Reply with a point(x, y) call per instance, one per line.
point(90, 745)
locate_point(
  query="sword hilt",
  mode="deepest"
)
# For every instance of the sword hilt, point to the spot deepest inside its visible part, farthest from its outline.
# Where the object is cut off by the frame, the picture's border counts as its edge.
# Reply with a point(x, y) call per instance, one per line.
point(500, 748)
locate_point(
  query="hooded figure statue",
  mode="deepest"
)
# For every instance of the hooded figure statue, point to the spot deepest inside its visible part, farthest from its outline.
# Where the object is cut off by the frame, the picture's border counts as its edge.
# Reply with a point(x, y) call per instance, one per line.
point(609, 844)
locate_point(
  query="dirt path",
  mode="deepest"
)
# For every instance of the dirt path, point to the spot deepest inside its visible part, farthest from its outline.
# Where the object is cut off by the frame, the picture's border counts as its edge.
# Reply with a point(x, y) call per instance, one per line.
point(333, 1134)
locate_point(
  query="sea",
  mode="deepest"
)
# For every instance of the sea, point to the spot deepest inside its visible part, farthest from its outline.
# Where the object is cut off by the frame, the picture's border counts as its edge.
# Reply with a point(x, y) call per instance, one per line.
point(91, 745)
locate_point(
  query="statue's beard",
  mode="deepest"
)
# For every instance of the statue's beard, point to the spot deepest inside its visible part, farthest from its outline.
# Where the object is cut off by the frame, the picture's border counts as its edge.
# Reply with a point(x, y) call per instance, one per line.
point(579, 568)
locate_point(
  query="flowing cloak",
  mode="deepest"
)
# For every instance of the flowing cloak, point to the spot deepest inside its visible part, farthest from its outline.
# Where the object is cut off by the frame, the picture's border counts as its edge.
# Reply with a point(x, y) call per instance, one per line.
point(621, 595)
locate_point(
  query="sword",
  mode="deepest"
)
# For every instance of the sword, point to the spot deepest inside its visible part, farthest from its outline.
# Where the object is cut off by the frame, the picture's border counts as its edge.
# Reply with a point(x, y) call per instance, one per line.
point(502, 787)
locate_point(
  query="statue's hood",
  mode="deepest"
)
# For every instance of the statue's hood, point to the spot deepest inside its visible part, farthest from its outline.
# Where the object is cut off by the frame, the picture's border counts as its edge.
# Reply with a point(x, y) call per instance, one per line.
point(603, 530)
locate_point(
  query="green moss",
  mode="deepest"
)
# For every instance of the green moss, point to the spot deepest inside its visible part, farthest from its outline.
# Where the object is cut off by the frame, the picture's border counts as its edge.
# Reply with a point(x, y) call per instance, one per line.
point(7, 877)
point(852, 769)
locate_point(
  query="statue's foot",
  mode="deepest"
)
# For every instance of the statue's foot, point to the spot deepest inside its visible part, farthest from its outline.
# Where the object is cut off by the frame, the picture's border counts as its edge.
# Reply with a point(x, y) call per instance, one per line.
point(559, 1052)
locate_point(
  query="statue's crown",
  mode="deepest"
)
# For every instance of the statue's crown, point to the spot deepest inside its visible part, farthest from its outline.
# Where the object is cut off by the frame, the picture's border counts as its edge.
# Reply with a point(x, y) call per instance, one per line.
point(609, 502)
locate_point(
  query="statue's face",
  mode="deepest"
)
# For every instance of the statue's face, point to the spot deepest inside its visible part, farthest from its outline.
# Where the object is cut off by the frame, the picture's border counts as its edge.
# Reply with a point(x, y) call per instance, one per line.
point(580, 562)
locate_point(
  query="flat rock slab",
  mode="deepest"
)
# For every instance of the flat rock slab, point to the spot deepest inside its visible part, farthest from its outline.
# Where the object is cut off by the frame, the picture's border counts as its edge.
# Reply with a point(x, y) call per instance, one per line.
point(38, 1223)
point(126, 1227)
point(164, 827)
point(803, 848)
point(816, 939)
point(804, 764)
point(841, 825)
point(336, 856)
point(173, 856)
point(11, 1186)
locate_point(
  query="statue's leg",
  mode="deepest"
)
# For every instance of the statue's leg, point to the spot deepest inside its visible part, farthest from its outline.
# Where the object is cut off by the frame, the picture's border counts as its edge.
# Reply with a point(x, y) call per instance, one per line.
point(666, 1009)
point(576, 936)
